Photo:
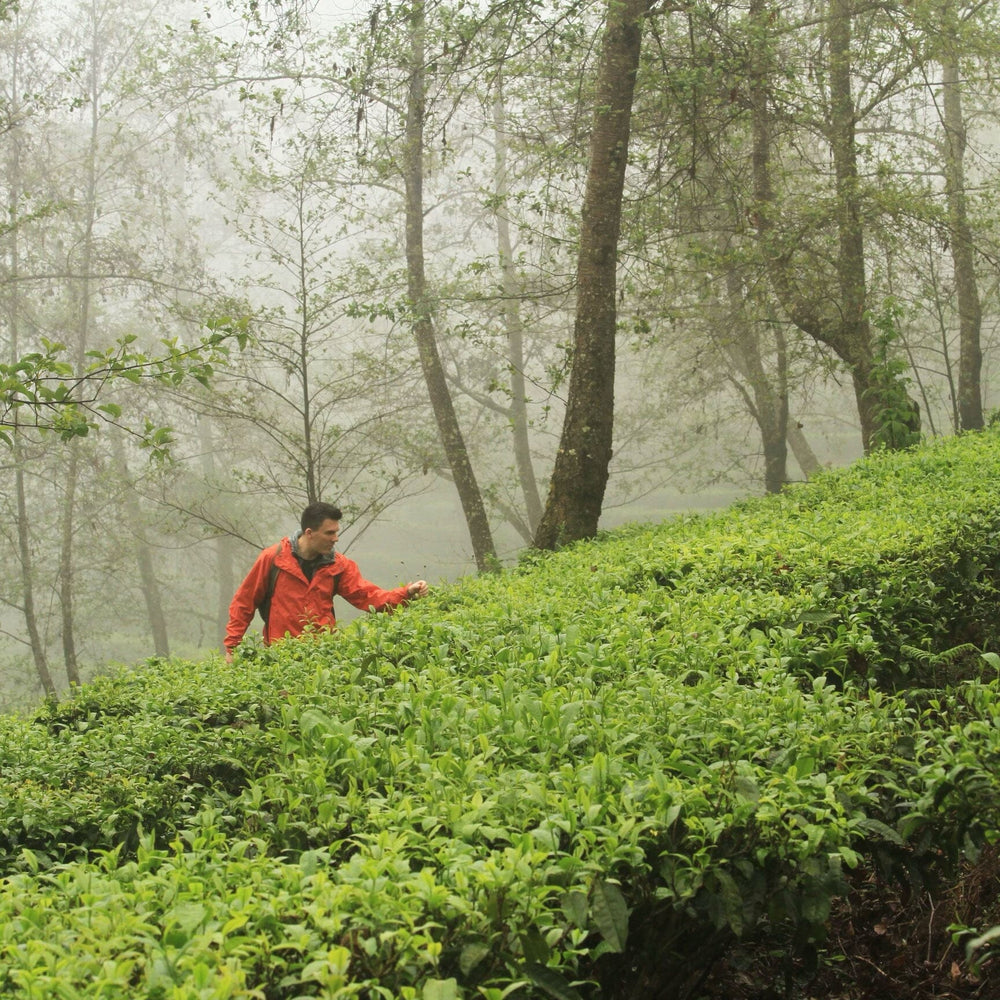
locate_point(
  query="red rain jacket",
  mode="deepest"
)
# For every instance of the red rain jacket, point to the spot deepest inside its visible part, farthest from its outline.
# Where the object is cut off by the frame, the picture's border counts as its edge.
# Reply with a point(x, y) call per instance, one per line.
point(298, 603)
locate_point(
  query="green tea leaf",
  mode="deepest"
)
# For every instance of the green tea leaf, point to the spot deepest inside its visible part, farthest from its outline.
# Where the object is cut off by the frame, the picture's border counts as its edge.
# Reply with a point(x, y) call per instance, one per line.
point(610, 913)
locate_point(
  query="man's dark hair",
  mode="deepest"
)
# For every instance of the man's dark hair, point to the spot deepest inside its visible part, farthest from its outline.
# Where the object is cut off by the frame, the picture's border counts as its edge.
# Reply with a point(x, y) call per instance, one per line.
point(316, 513)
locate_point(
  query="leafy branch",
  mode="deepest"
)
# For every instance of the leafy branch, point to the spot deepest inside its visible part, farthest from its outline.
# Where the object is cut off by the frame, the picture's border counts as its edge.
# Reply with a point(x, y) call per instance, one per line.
point(43, 390)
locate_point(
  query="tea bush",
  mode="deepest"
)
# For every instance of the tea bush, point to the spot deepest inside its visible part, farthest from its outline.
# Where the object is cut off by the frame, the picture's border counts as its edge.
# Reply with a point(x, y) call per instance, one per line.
point(588, 776)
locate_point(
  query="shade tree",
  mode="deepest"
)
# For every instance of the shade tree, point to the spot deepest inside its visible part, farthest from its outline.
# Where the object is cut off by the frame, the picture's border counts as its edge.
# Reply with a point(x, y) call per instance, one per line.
point(92, 274)
point(580, 473)
point(747, 94)
point(365, 87)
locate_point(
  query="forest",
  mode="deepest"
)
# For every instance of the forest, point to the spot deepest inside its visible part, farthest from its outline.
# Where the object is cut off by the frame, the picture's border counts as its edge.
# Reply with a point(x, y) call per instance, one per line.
point(492, 276)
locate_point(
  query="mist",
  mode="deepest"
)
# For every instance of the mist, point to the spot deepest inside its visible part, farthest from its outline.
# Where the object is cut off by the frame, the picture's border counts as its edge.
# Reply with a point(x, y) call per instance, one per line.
point(212, 315)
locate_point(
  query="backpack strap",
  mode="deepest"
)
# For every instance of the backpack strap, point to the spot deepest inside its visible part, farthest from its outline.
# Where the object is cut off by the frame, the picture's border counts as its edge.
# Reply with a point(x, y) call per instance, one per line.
point(264, 608)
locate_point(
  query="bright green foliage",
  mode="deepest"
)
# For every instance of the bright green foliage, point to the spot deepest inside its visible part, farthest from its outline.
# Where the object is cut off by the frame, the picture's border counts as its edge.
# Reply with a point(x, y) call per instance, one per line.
point(629, 754)
point(44, 390)
point(897, 423)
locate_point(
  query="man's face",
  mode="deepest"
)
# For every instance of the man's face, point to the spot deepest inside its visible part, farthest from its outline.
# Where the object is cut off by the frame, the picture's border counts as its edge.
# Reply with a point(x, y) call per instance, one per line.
point(319, 541)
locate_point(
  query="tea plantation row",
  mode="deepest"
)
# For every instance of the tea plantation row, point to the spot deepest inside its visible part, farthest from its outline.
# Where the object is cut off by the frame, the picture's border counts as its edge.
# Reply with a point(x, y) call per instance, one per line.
point(590, 776)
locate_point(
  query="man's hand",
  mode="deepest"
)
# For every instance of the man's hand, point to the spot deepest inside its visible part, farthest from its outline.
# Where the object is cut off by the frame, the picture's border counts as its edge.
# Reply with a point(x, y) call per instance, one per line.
point(417, 589)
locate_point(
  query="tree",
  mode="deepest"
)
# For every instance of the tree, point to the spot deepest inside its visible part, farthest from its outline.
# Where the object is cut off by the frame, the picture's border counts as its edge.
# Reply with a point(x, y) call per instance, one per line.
point(315, 405)
point(937, 179)
point(970, 313)
point(517, 413)
point(838, 313)
point(952, 33)
point(580, 475)
point(341, 82)
point(419, 300)
point(703, 268)
point(76, 284)
point(136, 539)
point(14, 320)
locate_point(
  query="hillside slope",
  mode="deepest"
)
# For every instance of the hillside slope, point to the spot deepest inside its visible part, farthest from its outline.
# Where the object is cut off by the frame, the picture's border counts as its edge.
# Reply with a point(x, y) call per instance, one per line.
point(616, 771)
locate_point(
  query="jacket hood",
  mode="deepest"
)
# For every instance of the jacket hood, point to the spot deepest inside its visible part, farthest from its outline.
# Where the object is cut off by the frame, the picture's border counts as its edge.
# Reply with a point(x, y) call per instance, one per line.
point(330, 557)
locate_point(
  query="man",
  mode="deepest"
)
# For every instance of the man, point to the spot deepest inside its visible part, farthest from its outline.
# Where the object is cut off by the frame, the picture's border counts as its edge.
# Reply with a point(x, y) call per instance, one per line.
point(294, 582)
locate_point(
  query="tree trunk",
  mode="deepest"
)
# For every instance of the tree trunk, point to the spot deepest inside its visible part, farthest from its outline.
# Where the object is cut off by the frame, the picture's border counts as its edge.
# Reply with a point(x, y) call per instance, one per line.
point(851, 338)
point(67, 572)
point(310, 455)
point(880, 397)
point(580, 475)
point(423, 324)
point(144, 560)
point(970, 313)
point(26, 563)
point(769, 403)
point(151, 593)
point(84, 267)
point(28, 585)
point(514, 328)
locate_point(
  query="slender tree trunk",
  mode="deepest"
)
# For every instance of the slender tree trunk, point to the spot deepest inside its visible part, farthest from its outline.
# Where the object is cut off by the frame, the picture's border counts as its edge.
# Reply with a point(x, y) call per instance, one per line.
point(852, 340)
point(151, 592)
point(67, 570)
point(423, 323)
point(514, 327)
point(25, 559)
point(775, 400)
point(143, 555)
point(27, 582)
point(846, 330)
point(970, 313)
point(67, 557)
point(310, 461)
point(768, 403)
point(580, 475)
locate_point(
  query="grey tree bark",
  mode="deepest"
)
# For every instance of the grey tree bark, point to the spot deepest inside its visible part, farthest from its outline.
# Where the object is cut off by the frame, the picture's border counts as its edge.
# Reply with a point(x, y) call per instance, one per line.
point(767, 398)
point(580, 475)
point(970, 311)
point(135, 534)
point(13, 298)
point(421, 309)
point(514, 327)
point(82, 264)
point(28, 580)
